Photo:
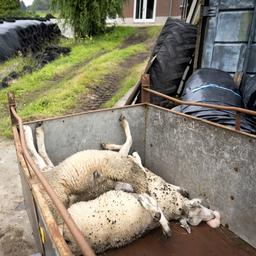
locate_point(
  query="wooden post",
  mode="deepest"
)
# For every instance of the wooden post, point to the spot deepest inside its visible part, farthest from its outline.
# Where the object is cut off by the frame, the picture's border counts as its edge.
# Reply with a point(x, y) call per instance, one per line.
point(12, 103)
point(145, 83)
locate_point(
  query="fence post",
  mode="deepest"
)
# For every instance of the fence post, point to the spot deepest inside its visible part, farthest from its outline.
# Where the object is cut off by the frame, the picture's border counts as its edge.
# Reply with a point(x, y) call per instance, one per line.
point(145, 83)
point(12, 103)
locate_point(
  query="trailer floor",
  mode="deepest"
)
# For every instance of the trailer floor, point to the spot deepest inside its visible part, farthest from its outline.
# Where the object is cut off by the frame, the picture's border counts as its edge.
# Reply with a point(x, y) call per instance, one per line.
point(201, 242)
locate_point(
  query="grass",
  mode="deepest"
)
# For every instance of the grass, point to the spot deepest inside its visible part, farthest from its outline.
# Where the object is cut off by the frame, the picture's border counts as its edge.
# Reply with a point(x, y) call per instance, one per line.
point(128, 82)
point(56, 88)
point(63, 96)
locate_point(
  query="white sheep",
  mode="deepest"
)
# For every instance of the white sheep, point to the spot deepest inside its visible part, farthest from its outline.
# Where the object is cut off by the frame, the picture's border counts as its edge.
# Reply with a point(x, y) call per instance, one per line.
point(169, 197)
point(115, 219)
point(90, 172)
point(173, 200)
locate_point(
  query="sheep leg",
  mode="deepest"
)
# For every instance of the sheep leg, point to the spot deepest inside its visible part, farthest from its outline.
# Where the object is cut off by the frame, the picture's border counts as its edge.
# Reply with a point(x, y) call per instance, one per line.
point(128, 143)
point(126, 187)
point(150, 204)
point(125, 148)
point(41, 146)
point(39, 161)
point(137, 159)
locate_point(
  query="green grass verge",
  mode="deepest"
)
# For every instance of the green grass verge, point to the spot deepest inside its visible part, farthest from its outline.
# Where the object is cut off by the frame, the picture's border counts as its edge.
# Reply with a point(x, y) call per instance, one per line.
point(64, 95)
point(55, 88)
point(128, 82)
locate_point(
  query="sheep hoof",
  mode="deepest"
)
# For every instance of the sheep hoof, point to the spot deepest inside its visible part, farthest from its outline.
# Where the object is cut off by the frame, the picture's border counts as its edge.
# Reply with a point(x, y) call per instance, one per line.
point(184, 192)
point(167, 234)
point(126, 187)
point(157, 216)
point(103, 145)
point(121, 118)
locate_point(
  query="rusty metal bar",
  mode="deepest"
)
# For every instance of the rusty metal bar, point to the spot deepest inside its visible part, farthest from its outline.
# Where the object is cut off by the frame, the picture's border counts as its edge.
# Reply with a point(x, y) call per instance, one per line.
point(74, 230)
point(238, 121)
point(200, 104)
point(145, 84)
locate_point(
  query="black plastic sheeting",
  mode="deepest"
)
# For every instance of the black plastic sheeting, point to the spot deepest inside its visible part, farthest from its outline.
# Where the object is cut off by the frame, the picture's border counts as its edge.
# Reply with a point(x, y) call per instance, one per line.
point(214, 87)
point(25, 35)
point(248, 91)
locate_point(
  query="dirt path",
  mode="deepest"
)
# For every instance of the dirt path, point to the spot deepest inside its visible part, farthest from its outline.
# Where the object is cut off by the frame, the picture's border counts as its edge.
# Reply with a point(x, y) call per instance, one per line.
point(15, 233)
point(101, 93)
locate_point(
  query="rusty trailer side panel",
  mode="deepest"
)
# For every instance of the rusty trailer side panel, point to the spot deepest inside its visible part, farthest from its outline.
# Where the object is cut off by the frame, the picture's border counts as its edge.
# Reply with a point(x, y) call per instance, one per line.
point(211, 161)
point(48, 239)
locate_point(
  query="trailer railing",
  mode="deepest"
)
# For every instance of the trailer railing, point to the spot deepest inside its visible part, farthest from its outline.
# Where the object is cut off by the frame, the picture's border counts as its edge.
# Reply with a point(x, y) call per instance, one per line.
point(145, 98)
point(74, 230)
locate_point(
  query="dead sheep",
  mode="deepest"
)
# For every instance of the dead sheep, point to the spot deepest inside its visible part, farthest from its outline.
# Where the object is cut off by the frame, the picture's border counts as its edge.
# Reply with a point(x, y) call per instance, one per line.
point(175, 206)
point(173, 200)
point(170, 197)
point(88, 173)
point(114, 219)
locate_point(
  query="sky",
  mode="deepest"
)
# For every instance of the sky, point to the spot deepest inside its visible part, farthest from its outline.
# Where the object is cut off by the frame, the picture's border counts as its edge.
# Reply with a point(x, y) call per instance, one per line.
point(28, 2)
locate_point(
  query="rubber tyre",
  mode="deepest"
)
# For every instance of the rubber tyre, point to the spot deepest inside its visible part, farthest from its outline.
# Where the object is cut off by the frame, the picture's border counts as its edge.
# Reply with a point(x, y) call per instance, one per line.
point(174, 48)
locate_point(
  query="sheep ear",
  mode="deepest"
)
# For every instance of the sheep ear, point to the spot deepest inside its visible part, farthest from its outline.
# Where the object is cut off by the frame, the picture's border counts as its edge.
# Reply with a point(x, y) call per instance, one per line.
point(126, 187)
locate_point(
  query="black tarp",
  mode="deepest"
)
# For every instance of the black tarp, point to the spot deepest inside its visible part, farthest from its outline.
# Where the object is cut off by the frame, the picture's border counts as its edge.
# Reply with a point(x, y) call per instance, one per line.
point(248, 91)
point(214, 87)
point(174, 49)
point(25, 35)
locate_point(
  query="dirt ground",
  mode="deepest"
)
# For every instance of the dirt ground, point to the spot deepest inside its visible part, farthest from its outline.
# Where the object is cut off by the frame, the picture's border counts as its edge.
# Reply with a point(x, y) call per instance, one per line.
point(16, 237)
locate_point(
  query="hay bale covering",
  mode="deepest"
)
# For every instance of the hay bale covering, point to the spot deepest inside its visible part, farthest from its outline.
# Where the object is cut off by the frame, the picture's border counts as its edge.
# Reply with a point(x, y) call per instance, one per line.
point(25, 36)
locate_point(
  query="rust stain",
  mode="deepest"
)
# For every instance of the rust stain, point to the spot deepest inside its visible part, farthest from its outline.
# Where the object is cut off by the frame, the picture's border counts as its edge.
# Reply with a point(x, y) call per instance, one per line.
point(201, 242)
point(52, 226)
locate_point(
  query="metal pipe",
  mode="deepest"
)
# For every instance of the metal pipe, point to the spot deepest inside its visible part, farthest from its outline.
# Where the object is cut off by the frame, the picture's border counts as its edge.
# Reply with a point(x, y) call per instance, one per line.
point(170, 9)
point(191, 103)
point(74, 230)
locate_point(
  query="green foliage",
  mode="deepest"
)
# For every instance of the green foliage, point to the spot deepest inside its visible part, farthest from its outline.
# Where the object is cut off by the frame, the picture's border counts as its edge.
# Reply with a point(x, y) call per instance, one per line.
point(9, 7)
point(23, 6)
point(88, 17)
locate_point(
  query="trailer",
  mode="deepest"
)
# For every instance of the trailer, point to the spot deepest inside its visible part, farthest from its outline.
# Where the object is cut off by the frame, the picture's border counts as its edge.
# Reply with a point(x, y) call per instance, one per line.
point(212, 161)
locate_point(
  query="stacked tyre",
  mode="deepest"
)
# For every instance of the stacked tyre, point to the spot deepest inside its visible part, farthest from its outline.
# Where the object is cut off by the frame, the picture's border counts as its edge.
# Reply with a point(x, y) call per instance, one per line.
point(173, 50)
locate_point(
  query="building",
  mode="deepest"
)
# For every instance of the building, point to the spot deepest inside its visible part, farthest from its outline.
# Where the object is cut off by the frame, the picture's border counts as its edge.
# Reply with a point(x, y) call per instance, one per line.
point(150, 11)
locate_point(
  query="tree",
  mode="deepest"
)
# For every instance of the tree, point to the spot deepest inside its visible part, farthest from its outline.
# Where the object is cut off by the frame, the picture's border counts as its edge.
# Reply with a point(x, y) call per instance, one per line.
point(23, 6)
point(88, 17)
point(9, 7)
point(40, 5)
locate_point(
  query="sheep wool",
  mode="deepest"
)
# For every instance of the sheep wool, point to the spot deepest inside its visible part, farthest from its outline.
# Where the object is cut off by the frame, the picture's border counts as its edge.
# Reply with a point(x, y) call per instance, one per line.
point(112, 220)
point(90, 173)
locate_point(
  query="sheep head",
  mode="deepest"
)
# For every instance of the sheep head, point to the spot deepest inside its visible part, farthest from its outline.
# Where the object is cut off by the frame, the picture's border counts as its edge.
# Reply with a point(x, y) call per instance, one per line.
point(195, 212)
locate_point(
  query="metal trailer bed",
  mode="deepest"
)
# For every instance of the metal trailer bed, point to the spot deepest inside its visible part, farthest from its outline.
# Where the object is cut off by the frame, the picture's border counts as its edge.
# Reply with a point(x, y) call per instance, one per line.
point(214, 162)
